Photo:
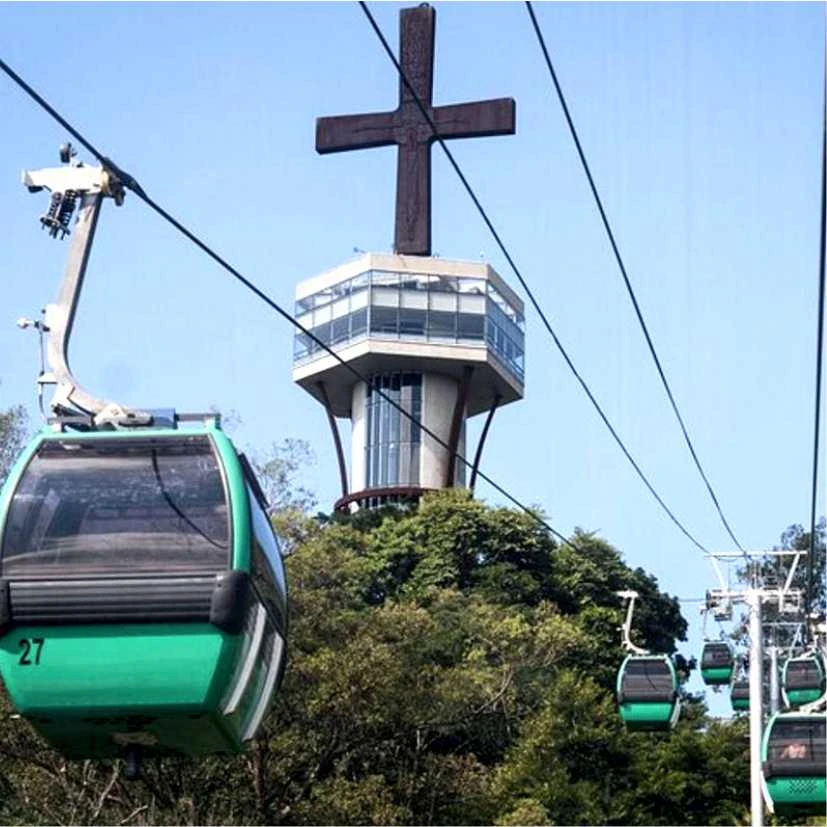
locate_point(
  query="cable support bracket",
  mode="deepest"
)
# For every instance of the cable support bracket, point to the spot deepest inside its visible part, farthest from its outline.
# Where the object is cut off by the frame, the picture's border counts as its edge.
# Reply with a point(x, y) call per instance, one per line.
point(89, 185)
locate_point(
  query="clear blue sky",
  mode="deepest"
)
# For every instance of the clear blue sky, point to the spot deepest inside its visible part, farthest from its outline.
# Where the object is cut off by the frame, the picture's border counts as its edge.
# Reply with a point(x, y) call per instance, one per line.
point(702, 126)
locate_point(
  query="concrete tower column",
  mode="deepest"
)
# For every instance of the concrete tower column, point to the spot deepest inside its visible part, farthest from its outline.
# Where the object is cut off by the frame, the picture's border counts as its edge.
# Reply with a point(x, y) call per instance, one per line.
point(439, 398)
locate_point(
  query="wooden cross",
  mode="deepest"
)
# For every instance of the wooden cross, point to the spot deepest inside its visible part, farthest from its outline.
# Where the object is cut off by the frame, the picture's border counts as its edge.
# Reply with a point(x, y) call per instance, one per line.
point(408, 128)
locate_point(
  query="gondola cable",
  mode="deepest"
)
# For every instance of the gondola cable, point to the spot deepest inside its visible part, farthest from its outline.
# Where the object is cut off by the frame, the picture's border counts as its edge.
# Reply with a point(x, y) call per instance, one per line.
point(626, 281)
point(522, 281)
point(822, 278)
point(130, 183)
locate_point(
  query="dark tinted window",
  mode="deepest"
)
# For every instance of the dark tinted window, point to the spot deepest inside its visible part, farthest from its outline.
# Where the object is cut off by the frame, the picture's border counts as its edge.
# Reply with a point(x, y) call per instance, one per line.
point(803, 674)
point(392, 444)
point(797, 739)
point(118, 506)
point(648, 678)
point(267, 565)
point(716, 655)
point(740, 690)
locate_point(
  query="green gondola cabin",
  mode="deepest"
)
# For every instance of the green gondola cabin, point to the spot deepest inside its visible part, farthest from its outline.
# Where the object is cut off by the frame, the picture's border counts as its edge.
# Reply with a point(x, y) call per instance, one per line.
point(143, 602)
point(739, 695)
point(802, 680)
point(717, 663)
point(794, 764)
point(647, 692)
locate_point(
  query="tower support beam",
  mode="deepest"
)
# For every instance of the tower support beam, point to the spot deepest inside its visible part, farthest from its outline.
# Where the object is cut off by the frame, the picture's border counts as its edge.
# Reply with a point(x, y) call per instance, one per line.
point(788, 600)
point(756, 717)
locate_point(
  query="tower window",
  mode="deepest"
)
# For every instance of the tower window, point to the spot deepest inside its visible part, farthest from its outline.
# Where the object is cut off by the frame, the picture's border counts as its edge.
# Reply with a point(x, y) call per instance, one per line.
point(393, 440)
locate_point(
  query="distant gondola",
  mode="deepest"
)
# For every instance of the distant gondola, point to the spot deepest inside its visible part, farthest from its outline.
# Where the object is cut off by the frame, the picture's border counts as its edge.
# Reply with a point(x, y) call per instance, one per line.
point(717, 663)
point(793, 756)
point(802, 680)
point(647, 692)
point(143, 602)
point(739, 695)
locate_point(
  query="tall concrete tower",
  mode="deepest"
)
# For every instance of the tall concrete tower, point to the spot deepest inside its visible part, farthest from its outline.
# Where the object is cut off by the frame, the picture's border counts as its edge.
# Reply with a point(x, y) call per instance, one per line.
point(443, 339)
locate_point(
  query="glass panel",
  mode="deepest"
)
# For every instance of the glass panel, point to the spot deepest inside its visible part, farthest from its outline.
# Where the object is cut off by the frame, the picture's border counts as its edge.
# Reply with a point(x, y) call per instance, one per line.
point(506, 339)
point(798, 739)
point(130, 506)
point(474, 286)
point(392, 450)
point(267, 568)
point(323, 297)
point(413, 478)
point(443, 284)
point(359, 323)
point(442, 325)
point(443, 301)
point(305, 319)
point(384, 297)
point(322, 334)
point(413, 298)
point(301, 346)
point(472, 304)
point(803, 674)
point(304, 305)
point(412, 322)
point(651, 675)
point(413, 282)
point(359, 299)
point(321, 315)
point(470, 327)
point(382, 278)
point(339, 330)
point(340, 308)
point(384, 320)
point(500, 302)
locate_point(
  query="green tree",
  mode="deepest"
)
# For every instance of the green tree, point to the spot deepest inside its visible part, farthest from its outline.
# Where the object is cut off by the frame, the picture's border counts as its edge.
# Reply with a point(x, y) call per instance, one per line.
point(795, 538)
point(278, 474)
point(450, 664)
point(13, 433)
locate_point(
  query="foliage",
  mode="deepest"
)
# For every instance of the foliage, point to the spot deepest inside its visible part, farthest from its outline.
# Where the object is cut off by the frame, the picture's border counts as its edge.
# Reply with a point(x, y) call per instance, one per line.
point(277, 475)
point(795, 537)
point(290, 502)
point(448, 665)
point(13, 432)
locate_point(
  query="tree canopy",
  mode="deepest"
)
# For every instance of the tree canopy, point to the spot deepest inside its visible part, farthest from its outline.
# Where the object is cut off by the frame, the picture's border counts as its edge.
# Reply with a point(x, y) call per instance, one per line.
point(448, 664)
point(13, 431)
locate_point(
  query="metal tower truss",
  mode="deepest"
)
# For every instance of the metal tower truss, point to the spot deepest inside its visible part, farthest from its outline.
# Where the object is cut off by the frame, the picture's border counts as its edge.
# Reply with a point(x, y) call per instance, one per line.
point(790, 602)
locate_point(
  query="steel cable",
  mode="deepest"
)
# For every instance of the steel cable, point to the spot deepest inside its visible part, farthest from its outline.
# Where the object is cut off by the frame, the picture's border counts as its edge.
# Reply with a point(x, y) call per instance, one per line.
point(130, 183)
point(522, 281)
point(626, 280)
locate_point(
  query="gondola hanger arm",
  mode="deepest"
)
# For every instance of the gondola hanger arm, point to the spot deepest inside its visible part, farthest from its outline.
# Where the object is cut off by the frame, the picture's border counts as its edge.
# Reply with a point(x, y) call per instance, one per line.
point(88, 185)
point(625, 629)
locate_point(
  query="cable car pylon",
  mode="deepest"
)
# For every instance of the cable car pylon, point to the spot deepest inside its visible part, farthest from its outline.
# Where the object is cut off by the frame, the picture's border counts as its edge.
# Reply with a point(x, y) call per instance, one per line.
point(754, 597)
point(794, 752)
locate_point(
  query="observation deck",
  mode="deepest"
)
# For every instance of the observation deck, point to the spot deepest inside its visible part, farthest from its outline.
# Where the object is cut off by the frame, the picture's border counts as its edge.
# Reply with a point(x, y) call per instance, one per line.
point(443, 339)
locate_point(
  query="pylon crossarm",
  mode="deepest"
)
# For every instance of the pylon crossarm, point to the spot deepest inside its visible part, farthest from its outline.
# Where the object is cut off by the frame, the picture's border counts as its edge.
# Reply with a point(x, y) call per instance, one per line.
point(789, 582)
